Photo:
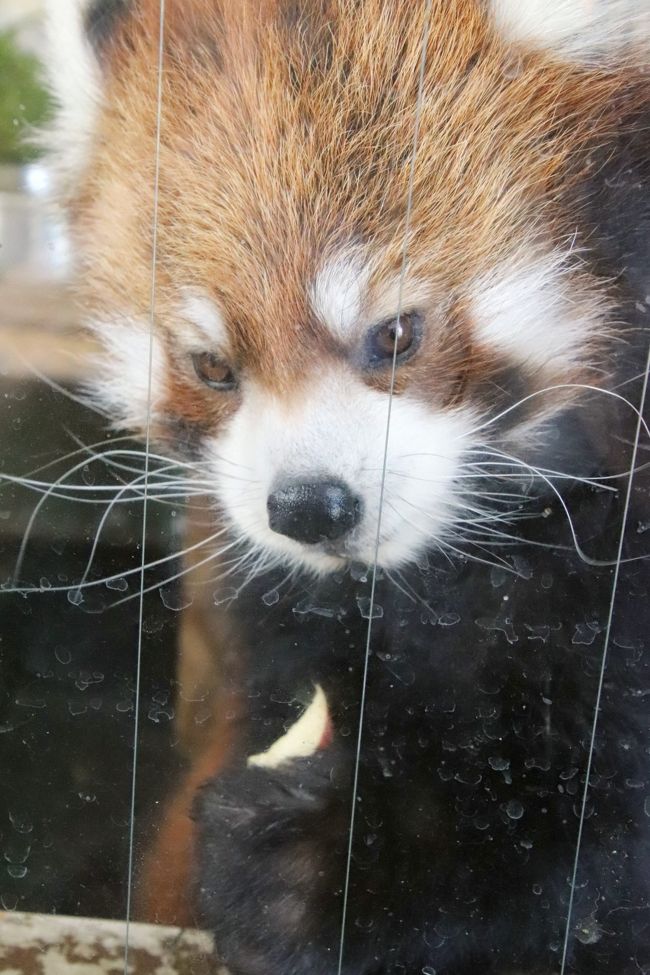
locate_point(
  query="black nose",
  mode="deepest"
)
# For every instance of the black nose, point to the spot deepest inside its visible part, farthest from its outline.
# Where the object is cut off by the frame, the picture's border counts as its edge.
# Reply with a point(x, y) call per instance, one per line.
point(311, 511)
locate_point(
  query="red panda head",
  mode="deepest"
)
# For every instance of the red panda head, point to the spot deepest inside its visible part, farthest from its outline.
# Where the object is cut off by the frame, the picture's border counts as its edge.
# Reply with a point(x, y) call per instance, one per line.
point(298, 252)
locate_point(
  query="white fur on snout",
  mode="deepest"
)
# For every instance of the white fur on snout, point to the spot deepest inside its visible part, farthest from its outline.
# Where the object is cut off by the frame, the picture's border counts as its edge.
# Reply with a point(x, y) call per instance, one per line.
point(336, 429)
point(303, 738)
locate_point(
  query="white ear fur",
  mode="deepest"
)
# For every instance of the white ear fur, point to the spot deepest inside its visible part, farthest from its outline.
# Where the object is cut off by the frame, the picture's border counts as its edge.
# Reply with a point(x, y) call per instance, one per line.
point(592, 31)
point(75, 84)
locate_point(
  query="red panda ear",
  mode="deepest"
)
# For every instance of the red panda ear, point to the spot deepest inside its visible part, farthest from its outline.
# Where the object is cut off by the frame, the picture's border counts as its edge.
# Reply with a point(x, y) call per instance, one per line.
point(101, 20)
point(79, 34)
point(609, 32)
point(74, 78)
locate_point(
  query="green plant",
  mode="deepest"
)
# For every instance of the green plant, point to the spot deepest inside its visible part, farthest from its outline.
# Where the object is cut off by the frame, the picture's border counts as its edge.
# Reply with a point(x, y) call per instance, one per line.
point(23, 100)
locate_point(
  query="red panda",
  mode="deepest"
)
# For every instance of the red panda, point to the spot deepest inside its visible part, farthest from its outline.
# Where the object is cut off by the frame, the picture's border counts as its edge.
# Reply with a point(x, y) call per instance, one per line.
point(286, 137)
point(347, 261)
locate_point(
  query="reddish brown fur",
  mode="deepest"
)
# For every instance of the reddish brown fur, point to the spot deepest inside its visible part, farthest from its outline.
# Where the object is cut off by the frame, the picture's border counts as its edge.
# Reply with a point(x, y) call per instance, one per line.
point(281, 144)
point(287, 134)
point(165, 894)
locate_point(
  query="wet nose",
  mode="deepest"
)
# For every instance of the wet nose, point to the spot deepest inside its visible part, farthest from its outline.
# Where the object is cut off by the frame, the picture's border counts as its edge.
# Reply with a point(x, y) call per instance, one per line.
point(312, 511)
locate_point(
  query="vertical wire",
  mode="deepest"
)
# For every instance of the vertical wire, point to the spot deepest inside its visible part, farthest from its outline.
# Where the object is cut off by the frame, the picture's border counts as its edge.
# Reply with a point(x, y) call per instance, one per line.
point(152, 310)
point(603, 667)
point(364, 684)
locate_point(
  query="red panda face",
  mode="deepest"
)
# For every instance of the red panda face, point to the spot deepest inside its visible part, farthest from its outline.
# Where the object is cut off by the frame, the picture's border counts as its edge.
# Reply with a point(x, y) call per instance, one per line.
point(304, 270)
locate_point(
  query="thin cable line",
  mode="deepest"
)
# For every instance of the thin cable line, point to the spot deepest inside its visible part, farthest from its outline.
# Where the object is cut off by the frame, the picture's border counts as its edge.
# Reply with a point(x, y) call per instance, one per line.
point(362, 702)
point(152, 312)
point(603, 666)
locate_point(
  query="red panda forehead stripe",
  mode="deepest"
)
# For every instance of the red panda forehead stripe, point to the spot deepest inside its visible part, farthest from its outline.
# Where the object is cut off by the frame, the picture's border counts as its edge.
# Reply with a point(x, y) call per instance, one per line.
point(207, 325)
point(339, 293)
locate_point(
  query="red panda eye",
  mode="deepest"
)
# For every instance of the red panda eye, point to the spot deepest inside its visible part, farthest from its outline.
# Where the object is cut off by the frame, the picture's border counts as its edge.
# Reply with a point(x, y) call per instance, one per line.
point(397, 336)
point(213, 371)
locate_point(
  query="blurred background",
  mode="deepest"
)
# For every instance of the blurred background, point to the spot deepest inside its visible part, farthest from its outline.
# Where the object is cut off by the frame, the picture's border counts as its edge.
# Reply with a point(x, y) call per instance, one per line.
point(67, 665)
point(38, 315)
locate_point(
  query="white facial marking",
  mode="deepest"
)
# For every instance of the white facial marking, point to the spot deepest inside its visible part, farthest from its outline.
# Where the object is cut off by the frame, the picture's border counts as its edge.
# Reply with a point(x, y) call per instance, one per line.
point(205, 319)
point(303, 738)
point(344, 301)
point(530, 312)
point(121, 383)
point(337, 430)
point(338, 293)
point(395, 294)
point(584, 30)
point(75, 83)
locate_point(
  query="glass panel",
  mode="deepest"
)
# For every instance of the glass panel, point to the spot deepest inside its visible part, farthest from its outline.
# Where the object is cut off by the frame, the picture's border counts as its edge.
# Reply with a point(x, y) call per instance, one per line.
point(323, 615)
point(70, 550)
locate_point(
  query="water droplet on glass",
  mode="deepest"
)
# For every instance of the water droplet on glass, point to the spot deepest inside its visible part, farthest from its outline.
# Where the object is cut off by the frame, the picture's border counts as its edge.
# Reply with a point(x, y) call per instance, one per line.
point(449, 619)
point(119, 585)
point(222, 596)
point(428, 970)
point(364, 608)
point(366, 924)
point(538, 632)
point(498, 577)
point(585, 634)
point(502, 626)
point(542, 764)
point(588, 932)
point(152, 624)
point(44, 584)
point(537, 889)
point(157, 713)
point(523, 567)
point(88, 475)
point(271, 597)
point(75, 596)
point(514, 809)
point(25, 701)
point(174, 598)
point(20, 822)
point(17, 872)
point(63, 655)
point(646, 807)
point(498, 764)
point(304, 607)
point(17, 852)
